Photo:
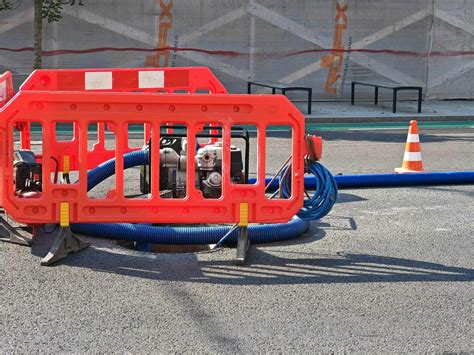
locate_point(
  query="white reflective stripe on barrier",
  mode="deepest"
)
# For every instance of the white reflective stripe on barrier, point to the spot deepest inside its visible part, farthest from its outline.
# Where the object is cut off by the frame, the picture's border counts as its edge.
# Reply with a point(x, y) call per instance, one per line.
point(413, 138)
point(151, 79)
point(412, 156)
point(98, 80)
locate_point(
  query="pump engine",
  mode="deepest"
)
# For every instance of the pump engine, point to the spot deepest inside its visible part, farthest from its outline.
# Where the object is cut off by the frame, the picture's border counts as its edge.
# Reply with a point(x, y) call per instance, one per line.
point(208, 166)
point(27, 172)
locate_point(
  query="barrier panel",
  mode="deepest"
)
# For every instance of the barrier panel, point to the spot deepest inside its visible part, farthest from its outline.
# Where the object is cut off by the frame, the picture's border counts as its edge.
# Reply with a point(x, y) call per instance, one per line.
point(163, 80)
point(6, 88)
point(51, 98)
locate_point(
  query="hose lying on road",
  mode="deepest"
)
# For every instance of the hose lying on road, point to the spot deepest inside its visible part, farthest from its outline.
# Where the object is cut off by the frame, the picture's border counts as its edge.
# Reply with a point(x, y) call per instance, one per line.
point(315, 208)
point(394, 180)
point(258, 233)
point(390, 180)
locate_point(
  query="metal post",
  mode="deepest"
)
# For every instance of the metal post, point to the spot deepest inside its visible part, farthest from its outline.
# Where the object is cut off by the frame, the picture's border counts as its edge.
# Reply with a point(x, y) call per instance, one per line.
point(249, 87)
point(376, 98)
point(420, 96)
point(394, 100)
point(243, 238)
point(242, 246)
point(352, 93)
point(310, 99)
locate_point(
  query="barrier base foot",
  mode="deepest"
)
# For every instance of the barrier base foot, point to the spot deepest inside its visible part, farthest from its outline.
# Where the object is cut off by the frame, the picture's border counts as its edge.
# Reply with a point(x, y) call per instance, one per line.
point(243, 244)
point(10, 234)
point(65, 242)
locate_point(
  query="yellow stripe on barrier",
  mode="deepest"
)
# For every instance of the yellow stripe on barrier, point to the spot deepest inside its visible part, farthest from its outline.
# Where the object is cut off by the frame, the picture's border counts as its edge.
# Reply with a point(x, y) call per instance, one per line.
point(64, 214)
point(66, 164)
point(244, 214)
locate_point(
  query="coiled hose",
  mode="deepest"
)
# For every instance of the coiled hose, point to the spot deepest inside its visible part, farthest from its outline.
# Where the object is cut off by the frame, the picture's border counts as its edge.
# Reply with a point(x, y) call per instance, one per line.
point(261, 233)
point(325, 191)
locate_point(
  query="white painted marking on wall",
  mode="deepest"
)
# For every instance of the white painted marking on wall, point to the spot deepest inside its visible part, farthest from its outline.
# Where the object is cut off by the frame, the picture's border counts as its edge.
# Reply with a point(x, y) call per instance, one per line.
point(141, 36)
point(361, 59)
point(98, 80)
point(151, 79)
point(13, 21)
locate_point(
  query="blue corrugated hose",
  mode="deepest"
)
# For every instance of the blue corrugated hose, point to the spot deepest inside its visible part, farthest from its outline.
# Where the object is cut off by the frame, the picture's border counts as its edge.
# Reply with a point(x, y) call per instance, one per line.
point(258, 233)
point(388, 180)
point(261, 233)
point(316, 207)
point(325, 191)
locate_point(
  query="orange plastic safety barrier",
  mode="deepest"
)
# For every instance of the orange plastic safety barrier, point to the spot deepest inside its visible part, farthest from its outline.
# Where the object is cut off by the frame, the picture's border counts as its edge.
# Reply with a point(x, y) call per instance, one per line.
point(6, 88)
point(163, 80)
point(116, 99)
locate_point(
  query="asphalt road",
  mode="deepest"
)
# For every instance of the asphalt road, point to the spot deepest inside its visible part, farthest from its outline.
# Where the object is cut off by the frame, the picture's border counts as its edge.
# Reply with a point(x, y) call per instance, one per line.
point(389, 270)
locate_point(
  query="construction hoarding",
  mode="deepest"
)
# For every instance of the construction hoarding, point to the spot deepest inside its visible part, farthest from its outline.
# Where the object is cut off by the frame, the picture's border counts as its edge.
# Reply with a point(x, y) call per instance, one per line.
point(319, 43)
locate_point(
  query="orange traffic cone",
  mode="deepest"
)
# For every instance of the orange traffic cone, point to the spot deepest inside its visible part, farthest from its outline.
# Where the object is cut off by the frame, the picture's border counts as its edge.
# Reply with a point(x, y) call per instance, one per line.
point(412, 162)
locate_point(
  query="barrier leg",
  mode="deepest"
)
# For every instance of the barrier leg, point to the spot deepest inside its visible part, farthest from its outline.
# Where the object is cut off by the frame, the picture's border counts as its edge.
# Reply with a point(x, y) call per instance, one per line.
point(65, 242)
point(243, 237)
point(9, 234)
point(243, 244)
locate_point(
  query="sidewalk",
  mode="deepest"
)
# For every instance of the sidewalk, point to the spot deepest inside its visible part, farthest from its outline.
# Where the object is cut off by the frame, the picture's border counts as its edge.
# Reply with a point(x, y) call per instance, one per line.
point(340, 112)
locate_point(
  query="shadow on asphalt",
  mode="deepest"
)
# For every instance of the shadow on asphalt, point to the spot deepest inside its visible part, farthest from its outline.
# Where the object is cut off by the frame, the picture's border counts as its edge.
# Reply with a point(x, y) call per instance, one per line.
point(264, 268)
point(268, 264)
point(273, 264)
point(344, 197)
